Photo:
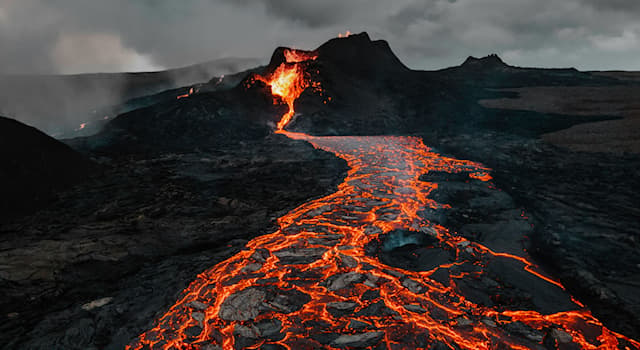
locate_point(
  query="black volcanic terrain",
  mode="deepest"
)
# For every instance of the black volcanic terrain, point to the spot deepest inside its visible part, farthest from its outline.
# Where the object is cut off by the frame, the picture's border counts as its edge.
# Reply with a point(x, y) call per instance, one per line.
point(34, 165)
point(64, 102)
point(100, 234)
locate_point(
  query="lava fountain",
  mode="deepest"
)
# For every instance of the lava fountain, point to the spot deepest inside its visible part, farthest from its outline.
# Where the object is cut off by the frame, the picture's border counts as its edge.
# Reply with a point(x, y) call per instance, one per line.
point(289, 80)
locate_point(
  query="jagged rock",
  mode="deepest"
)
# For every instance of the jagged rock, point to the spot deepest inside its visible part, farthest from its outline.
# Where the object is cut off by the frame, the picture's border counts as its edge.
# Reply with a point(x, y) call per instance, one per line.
point(358, 340)
point(372, 230)
point(270, 329)
point(198, 316)
point(272, 347)
point(193, 331)
point(348, 261)
point(377, 309)
point(394, 273)
point(340, 309)
point(489, 323)
point(561, 336)
point(415, 308)
point(246, 332)
point(522, 329)
point(245, 336)
point(252, 267)
point(337, 282)
point(299, 255)
point(413, 286)
point(355, 324)
point(97, 303)
point(243, 305)
point(261, 255)
point(198, 305)
point(342, 305)
point(371, 294)
point(210, 347)
point(286, 301)
point(463, 321)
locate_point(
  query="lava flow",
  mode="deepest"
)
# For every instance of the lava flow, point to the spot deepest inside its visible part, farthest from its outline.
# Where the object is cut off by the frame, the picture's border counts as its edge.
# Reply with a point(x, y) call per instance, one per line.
point(289, 80)
point(315, 284)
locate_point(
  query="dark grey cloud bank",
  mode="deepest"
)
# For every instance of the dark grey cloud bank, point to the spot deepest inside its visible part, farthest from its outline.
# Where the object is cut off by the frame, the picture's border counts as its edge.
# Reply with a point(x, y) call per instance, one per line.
point(72, 36)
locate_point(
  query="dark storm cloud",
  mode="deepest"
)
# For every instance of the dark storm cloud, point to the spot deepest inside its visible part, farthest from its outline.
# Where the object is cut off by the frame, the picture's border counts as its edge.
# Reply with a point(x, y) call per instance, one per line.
point(311, 13)
point(91, 35)
point(614, 5)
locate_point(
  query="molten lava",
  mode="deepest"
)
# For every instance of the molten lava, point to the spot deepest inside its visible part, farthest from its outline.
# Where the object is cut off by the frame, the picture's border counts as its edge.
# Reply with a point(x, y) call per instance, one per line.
point(297, 56)
point(312, 284)
point(289, 80)
point(318, 257)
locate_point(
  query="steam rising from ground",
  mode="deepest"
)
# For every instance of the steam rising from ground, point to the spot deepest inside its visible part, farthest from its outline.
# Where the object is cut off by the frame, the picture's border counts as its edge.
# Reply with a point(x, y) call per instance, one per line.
point(60, 104)
point(79, 52)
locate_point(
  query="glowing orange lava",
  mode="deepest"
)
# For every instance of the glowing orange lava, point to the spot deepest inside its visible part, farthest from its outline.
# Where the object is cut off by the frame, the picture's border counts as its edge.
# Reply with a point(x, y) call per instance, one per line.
point(289, 80)
point(345, 35)
point(191, 91)
point(319, 253)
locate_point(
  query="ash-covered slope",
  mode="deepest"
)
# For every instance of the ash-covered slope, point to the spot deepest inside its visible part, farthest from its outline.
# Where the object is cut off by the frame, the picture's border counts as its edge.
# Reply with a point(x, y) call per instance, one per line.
point(58, 104)
point(97, 122)
point(33, 166)
point(201, 121)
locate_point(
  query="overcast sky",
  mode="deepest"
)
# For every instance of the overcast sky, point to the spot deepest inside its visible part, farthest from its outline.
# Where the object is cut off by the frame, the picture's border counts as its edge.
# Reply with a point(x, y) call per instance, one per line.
point(74, 36)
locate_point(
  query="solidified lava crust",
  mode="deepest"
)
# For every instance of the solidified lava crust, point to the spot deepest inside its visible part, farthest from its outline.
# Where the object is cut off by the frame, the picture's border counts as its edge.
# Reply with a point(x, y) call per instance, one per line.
point(311, 284)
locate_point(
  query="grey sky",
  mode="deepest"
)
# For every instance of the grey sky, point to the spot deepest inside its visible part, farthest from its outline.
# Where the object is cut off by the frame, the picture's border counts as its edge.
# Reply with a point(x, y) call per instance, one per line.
point(73, 36)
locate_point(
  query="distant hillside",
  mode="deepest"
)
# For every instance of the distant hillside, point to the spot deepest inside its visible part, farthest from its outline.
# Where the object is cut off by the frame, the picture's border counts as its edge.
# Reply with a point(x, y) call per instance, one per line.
point(33, 166)
point(492, 72)
point(58, 104)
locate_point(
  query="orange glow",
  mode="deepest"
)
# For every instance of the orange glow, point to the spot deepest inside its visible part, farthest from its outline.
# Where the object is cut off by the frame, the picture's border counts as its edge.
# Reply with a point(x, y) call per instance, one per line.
point(481, 175)
point(289, 80)
point(345, 35)
point(187, 94)
point(297, 56)
point(382, 192)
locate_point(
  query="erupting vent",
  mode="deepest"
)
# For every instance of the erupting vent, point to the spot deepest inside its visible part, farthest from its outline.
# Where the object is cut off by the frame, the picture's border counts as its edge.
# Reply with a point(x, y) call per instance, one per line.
point(289, 80)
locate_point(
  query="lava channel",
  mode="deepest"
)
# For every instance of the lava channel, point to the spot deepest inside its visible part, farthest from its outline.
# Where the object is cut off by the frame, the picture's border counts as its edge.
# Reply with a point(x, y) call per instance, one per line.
point(312, 285)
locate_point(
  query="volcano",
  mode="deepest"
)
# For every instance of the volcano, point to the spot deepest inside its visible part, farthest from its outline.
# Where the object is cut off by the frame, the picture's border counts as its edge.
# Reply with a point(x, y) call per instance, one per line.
point(333, 199)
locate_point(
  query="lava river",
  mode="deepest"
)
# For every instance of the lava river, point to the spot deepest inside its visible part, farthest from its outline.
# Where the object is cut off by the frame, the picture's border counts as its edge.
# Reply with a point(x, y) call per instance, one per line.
point(312, 284)
point(315, 283)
